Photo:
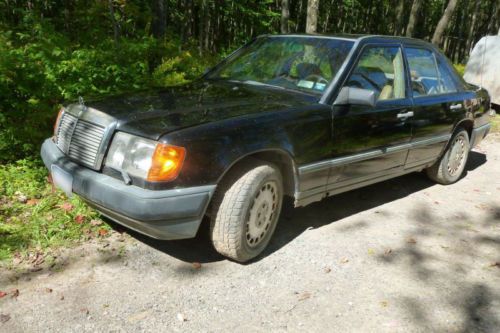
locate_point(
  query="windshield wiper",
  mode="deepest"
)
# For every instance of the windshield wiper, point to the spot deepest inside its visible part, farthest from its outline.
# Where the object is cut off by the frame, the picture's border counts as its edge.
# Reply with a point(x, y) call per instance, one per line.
point(257, 83)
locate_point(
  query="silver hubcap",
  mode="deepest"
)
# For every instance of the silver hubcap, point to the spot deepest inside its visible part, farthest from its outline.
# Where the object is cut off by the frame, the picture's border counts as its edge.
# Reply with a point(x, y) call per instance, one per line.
point(262, 213)
point(457, 156)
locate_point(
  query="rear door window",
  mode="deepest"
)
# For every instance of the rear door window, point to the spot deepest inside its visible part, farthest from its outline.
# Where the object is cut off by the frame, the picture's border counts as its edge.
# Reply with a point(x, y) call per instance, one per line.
point(446, 80)
point(428, 77)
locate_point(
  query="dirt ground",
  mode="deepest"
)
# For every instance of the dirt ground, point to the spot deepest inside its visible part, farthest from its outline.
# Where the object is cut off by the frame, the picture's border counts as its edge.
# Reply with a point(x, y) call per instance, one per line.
point(404, 255)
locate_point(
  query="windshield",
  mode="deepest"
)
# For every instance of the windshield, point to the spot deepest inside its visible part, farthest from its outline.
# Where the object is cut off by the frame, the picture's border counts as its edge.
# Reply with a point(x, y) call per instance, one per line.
point(299, 63)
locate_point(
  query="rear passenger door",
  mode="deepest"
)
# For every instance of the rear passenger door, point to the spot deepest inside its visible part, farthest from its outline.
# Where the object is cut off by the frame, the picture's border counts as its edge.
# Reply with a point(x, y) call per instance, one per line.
point(437, 103)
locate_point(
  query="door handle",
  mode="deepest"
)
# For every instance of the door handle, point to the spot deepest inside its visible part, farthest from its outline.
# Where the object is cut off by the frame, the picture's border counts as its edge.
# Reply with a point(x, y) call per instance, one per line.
point(456, 106)
point(405, 115)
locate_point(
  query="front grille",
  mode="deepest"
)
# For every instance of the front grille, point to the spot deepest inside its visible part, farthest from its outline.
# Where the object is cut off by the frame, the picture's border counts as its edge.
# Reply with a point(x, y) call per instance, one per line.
point(80, 139)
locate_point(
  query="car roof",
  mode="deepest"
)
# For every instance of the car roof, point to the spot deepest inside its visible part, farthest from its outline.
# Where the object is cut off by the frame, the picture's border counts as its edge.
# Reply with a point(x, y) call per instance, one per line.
point(359, 37)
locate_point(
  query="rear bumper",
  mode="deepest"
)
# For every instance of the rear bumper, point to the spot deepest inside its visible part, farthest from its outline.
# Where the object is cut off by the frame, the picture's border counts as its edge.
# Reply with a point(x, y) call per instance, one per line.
point(478, 134)
point(166, 214)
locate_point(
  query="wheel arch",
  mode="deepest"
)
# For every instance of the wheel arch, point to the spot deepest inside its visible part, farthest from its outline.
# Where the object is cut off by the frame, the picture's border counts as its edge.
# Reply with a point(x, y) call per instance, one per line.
point(466, 124)
point(281, 158)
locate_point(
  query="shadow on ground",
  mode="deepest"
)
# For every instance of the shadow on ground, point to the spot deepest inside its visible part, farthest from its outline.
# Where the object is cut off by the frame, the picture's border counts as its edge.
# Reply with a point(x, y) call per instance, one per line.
point(294, 221)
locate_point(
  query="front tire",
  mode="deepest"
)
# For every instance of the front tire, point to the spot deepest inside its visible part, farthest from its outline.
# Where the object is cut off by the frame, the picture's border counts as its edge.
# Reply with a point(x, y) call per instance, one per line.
point(246, 211)
point(450, 167)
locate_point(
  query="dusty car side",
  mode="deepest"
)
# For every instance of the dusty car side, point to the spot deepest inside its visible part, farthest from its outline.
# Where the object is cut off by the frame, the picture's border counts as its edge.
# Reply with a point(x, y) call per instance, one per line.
point(297, 115)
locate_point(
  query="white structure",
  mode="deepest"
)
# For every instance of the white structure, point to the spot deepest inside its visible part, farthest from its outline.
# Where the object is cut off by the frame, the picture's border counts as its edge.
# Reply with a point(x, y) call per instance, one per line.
point(483, 67)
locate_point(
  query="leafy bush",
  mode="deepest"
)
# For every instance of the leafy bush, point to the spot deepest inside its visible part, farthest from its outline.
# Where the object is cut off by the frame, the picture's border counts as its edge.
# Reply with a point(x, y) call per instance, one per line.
point(41, 69)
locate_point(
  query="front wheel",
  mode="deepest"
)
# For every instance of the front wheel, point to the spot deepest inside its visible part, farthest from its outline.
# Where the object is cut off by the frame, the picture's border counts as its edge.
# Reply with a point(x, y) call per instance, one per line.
point(246, 212)
point(450, 167)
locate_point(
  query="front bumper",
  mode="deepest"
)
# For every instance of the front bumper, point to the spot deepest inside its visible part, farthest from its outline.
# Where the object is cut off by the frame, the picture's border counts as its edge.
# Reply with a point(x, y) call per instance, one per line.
point(166, 214)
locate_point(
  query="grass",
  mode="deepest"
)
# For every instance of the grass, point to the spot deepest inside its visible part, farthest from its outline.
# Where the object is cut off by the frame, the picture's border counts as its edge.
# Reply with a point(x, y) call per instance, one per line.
point(495, 124)
point(36, 218)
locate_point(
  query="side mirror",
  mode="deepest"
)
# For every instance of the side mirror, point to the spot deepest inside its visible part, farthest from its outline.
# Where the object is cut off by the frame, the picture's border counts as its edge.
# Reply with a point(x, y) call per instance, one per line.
point(355, 96)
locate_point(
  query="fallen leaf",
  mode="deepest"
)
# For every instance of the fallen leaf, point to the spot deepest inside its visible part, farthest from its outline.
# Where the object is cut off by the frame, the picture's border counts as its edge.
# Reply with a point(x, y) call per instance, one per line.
point(95, 222)
point(38, 258)
point(2, 294)
point(304, 296)
point(384, 304)
point(411, 240)
point(14, 293)
point(4, 318)
point(103, 232)
point(32, 202)
point(22, 198)
point(388, 251)
point(67, 207)
point(180, 317)
point(196, 265)
point(138, 316)
point(344, 261)
point(79, 219)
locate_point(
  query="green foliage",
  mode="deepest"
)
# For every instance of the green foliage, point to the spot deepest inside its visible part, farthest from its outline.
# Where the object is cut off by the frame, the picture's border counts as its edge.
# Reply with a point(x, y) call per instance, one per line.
point(460, 68)
point(495, 124)
point(34, 217)
point(40, 70)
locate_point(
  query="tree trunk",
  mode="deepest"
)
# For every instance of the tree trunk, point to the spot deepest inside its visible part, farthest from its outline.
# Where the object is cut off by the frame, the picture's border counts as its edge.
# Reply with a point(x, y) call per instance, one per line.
point(285, 16)
point(443, 22)
point(159, 19)
point(410, 28)
point(398, 22)
point(471, 35)
point(116, 28)
point(312, 16)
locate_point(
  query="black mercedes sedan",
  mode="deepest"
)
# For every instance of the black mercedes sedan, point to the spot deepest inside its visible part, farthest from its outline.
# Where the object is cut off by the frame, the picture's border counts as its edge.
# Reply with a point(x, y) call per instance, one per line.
point(307, 116)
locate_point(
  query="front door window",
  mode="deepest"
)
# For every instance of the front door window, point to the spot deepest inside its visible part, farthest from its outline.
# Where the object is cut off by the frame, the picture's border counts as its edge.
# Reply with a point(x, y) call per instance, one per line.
point(380, 69)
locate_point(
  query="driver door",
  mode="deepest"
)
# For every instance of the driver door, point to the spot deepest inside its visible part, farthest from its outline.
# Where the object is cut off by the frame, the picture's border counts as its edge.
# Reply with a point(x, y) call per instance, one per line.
point(372, 142)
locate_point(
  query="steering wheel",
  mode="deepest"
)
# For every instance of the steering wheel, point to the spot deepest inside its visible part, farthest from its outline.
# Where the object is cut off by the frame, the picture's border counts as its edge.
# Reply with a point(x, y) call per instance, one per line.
point(316, 78)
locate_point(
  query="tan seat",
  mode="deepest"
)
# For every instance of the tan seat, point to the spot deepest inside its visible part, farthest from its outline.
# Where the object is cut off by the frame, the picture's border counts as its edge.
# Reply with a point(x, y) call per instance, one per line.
point(386, 92)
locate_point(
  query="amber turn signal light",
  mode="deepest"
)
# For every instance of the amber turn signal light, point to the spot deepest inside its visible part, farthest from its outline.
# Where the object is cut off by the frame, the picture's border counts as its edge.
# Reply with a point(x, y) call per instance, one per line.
point(166, 163)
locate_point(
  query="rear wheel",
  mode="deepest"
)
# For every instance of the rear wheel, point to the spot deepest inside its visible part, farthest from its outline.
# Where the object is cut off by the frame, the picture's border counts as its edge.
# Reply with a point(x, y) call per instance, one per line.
point(246, 211)
point(450, 167)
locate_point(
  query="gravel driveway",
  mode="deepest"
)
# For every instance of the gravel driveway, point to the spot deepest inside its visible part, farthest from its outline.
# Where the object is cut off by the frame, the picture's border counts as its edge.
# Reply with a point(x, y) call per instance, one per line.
point(404, 255)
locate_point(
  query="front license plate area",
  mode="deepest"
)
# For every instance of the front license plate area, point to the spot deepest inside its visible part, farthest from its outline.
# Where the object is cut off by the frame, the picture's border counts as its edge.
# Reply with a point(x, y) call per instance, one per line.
point(62, 179)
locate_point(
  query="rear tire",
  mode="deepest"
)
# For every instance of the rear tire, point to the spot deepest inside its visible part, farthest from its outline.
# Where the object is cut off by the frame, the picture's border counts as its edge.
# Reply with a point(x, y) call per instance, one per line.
point(450, 167)
point(246, 210)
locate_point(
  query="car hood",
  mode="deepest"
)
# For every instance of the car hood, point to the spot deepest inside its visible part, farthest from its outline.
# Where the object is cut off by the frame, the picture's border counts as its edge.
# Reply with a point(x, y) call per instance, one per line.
point(156, 112)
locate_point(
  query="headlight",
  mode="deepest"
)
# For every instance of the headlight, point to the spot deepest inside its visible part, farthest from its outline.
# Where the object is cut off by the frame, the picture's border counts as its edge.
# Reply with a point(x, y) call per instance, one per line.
point(144, 158)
